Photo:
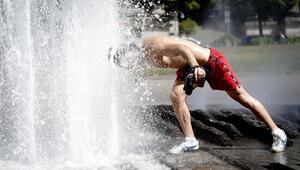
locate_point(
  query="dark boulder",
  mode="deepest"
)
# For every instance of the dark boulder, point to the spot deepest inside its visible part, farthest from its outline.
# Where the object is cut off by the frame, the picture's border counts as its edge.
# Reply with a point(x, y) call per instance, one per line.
point(209, 120)
point(218, 125)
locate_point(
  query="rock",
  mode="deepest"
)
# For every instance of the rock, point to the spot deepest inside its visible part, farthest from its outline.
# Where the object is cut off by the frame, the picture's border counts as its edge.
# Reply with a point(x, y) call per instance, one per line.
point(201, 130)
point(194, 160)
point(154, 119)
point(244, 121)
point(210, 133)
point(218, 125)
point(290, 113)
point(209, 120)
point(169, 129)
point(291, 129)
point(250, 125)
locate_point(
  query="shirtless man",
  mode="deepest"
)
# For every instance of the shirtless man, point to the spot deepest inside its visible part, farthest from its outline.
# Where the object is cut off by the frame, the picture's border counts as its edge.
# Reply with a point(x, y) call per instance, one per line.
point(185, 55)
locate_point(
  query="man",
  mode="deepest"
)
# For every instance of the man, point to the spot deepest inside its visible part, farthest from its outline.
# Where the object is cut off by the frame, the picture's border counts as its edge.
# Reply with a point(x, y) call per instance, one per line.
point(207, 63)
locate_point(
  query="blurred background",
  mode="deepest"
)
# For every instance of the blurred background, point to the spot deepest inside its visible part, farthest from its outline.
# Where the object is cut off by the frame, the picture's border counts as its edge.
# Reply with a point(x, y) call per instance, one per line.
point(231, 22)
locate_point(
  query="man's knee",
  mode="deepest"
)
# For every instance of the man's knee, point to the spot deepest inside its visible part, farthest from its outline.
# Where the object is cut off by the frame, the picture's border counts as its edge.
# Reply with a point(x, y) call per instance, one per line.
point(177, 97)
point(242, 97)
point(248, 101)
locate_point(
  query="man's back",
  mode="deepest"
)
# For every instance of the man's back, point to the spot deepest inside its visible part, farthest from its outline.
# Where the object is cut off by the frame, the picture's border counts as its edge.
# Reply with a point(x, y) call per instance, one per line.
point(163, 51)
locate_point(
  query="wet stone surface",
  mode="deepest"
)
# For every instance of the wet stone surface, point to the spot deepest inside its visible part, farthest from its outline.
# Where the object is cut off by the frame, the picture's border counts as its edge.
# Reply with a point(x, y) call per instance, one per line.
point(230, 139)
point(195, 160)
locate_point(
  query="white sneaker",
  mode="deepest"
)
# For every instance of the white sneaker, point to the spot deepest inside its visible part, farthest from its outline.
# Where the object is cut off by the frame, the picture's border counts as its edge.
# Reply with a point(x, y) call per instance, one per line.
point(190, 144)
point(279, 140)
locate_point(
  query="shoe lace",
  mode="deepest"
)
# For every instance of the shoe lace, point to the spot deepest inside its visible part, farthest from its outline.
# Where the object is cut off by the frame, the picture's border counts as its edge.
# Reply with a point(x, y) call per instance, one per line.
point(277, 140)
point(186, 147)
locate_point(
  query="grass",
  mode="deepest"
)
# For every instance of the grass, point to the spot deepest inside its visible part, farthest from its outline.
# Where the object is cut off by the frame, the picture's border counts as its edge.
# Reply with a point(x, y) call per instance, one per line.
point(153, 71)
point(268, 58)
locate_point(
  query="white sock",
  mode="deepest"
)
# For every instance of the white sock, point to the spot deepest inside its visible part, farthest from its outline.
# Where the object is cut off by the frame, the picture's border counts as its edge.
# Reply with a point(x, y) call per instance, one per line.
point(277, 131)
point(191, 140)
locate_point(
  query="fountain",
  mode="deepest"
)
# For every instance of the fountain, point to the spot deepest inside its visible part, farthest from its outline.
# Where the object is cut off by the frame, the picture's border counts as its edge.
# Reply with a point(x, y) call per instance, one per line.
point(63, 105)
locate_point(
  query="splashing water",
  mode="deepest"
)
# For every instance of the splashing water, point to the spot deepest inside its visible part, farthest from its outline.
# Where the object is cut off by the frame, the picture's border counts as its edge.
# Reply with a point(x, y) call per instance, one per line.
point(62, 104)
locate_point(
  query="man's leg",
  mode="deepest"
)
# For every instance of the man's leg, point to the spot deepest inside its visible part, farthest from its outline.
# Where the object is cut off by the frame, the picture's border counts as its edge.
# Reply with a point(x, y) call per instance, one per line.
point(183, 115)
point(241, 96)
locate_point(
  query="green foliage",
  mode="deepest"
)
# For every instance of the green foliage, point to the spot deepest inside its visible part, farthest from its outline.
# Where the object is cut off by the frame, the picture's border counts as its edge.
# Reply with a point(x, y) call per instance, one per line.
point(239, 12)
point(293, 40)
point(268, 40)
point(264, 40)
point(197, 10)
point(262, 8)
point(279, 10)
point(283, 5)
point(226, 41)
point(188, 26)
point(193, 5)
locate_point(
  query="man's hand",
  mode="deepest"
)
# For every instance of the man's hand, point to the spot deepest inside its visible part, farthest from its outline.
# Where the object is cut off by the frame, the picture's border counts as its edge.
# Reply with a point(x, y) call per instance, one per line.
point(199, 73)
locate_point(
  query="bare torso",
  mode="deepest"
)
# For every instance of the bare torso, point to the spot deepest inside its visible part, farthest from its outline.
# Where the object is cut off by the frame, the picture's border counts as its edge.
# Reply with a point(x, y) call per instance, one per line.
point(160, 50)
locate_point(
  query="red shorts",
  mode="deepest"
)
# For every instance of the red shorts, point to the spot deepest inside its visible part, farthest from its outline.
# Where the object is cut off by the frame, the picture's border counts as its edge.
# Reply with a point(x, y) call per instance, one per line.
point(220, 76)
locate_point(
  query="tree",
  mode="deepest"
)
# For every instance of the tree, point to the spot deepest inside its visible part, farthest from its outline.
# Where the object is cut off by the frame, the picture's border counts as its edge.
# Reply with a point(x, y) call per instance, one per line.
point(262, 10)
point(197, 10)
point(279, 11)
point(240, 11)
point(188, 26)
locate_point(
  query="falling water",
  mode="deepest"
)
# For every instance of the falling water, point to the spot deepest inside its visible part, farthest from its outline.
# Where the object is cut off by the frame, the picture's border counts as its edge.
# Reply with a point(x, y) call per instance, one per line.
point(62, 103)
